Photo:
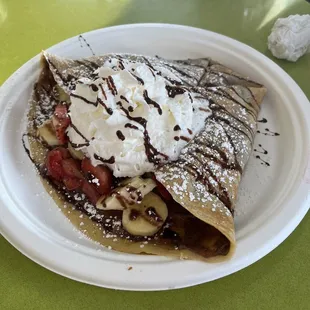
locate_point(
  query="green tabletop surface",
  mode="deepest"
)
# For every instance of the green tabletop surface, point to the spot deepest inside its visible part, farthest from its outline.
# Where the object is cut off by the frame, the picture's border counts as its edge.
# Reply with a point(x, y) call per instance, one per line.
point(281, 280)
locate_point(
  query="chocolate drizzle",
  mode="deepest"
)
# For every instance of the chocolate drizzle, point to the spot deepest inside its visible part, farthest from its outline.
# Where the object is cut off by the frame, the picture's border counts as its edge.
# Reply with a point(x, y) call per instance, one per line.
point(263, 162)
point(111, 85)
point(137, 78)
point(204, 110)
point(78, 132)
point(120, 135)
point(111, 160)
point(268, 132)
point(176, 128)
point(262, 150)
point(263, 120)
point(174, 91)
point(121, 65)
point(87, 44)
point(124, 98)
point(222, 93)
point(78, 145)
point(84, 99)
point(94, 87)
point(151, 152)
point(108, 110)
point(27, 149)
point(149, 101)
point(103, 92)
point(128, 125)
point(185, 138)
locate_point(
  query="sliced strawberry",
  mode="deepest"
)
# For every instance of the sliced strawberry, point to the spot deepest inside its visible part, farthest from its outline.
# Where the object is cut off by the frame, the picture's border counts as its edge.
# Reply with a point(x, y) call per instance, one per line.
point(61, 111)
point(66, 170)
point(61, 121)
point(54, 162)
point(100, 172)
point(90, 191)
point(72, 168)
point(64, 152)
point(72, 183)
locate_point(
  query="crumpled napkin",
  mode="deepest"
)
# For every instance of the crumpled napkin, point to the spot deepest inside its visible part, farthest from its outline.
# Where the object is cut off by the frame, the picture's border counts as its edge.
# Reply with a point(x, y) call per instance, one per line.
point(290, 37)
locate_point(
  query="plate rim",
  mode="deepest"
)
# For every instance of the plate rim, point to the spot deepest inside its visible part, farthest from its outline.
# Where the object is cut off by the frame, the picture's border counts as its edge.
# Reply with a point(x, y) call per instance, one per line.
point(276, 240)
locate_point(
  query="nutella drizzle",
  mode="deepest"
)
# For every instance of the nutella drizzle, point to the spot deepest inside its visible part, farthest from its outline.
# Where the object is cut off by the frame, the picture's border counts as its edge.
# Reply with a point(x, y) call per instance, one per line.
point(111, 160)
point(262, 150)
point(121, 65)
point(185, 138)
point(174, 91)
point(87, 44)
point(84, 99)
point(120, 135)
point(79, 133)
point(94, 87)
point(108, 110)
point(150, 151)
point(128, 125)
point(263, 162)
point(103, 92)
point(137, 78)
point(268, 132)
point(124, 98)
point(224, 94)
point(149, 101)
point(263, 120)
point(111, 85)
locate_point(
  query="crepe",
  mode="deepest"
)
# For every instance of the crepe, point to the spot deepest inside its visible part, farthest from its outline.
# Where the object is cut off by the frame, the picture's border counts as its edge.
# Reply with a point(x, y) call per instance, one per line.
point(205, 178)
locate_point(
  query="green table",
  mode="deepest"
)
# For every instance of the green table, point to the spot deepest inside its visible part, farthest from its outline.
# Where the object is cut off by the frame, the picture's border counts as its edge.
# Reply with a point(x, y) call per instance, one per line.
point(279, 281)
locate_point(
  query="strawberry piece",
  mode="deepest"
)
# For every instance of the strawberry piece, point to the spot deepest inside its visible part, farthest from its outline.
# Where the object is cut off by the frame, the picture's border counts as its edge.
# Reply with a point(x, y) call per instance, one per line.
point(90, 191)
point(72, 168)
point(61, 121)
point(54, 162)
point(63, 151)
point(61, 111)
point(72, 183)
point(100, 172)
point(66, 170)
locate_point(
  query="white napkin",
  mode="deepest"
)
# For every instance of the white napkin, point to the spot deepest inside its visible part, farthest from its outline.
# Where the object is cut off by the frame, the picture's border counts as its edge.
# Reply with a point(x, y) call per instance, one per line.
point(290, 37)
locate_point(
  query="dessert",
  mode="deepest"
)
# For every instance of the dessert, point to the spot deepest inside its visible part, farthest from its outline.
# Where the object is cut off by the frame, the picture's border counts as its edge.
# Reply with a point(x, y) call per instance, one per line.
point(147, 152)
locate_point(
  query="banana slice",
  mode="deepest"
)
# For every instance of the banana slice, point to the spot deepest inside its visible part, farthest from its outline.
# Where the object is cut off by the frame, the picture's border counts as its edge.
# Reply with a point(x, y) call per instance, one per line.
point(46, 133)
point(130, 192)
point(75, 153)
point(146, 218)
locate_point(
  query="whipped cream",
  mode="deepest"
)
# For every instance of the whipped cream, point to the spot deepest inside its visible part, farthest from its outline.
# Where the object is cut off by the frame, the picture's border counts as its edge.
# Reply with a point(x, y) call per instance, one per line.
point(131, 117)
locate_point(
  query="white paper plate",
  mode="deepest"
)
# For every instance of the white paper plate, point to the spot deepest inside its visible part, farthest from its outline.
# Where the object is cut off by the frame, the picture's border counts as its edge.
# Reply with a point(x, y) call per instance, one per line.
point(272, 201)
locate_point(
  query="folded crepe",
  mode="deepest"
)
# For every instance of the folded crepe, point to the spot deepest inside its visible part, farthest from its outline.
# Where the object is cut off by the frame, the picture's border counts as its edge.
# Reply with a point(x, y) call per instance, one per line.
point(203, 181)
